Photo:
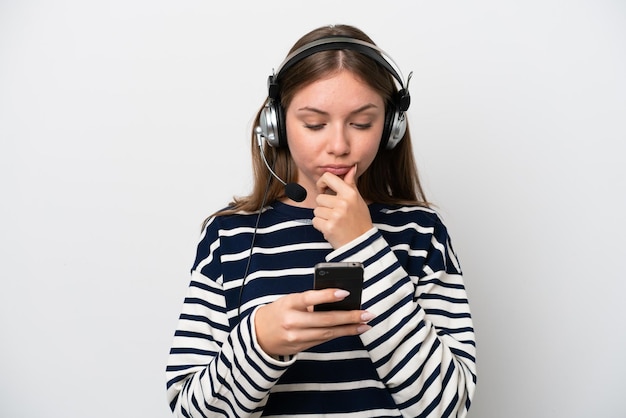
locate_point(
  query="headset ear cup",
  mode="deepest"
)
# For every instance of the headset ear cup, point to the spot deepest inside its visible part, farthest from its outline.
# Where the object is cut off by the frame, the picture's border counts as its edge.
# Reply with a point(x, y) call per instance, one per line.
point(384, 139)
point(268, 124)
point(272, 123)
point(281, 126)
point(395, 128)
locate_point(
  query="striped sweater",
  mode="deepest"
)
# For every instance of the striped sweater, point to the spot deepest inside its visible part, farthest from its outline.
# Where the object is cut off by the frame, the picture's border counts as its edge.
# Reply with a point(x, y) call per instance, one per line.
point(417, 360)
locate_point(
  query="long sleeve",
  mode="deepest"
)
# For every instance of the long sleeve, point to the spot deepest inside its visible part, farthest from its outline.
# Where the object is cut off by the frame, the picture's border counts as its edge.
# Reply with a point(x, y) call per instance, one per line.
point(422, 341)
point(213, 370)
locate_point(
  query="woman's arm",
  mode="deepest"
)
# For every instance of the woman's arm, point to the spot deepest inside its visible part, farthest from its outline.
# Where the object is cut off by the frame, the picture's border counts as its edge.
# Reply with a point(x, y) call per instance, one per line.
point(214, 370)
point(422, 339)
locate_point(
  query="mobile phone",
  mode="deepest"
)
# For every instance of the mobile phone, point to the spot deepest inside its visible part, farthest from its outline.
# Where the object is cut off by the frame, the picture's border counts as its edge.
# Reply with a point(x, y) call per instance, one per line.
point(341, 275)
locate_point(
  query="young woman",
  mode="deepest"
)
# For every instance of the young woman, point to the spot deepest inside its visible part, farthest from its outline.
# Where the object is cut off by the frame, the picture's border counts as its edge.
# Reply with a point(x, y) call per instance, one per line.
point(249, 342)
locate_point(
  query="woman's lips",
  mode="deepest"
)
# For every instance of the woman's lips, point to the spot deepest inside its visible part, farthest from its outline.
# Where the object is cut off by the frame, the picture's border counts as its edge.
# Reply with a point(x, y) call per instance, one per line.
point(337, 170)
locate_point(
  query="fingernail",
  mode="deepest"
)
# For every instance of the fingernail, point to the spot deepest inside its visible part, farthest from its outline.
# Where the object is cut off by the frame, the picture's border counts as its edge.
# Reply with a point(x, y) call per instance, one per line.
point(341, 294)
point(367, 316)
point(362, 328)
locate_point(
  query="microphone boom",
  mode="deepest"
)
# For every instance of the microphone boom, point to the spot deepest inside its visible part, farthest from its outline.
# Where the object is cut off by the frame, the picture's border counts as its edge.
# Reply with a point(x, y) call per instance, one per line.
point(294, 191)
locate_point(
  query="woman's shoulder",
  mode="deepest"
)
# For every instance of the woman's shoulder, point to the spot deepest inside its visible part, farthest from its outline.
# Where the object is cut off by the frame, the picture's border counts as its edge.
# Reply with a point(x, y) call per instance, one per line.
point(228, 218)
point(400, 214)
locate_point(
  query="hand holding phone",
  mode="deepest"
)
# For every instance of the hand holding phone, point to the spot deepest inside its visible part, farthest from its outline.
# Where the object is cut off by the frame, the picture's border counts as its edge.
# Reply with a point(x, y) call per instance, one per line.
point(341, 275)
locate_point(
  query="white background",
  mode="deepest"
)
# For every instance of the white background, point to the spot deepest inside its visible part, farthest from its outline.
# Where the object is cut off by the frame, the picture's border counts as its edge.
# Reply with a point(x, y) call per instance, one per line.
point(124, 123)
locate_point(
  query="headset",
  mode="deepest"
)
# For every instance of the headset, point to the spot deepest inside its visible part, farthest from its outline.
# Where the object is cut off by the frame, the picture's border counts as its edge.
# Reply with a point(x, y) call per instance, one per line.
point(272, 117)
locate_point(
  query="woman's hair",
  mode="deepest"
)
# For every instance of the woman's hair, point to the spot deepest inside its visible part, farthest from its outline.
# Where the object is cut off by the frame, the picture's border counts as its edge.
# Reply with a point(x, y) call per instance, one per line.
point(391, 178)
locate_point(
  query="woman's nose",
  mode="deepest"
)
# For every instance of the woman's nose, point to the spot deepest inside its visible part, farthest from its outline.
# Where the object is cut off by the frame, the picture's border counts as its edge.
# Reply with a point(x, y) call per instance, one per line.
point(338, 142)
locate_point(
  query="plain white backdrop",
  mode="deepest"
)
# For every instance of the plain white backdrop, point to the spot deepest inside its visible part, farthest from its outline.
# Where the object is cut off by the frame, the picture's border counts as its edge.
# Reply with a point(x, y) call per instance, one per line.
point(124, 123)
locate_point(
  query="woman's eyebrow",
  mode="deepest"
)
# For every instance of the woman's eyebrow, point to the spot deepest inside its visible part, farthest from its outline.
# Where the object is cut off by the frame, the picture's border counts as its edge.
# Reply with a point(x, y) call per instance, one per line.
point(322, 112)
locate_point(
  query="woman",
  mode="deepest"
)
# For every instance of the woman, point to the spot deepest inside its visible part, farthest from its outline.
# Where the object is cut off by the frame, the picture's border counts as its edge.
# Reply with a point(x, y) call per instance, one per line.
point(249, 342)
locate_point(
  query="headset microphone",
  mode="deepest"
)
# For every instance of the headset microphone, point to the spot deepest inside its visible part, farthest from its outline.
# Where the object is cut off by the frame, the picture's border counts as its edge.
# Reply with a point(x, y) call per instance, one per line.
point(293, 191)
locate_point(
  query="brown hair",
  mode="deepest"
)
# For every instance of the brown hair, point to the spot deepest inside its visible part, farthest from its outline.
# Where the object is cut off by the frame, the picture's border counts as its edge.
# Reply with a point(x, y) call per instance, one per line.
point(391, 178)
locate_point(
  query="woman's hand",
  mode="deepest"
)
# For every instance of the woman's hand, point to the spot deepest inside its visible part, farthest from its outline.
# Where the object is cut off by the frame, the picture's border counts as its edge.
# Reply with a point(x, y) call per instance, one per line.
point(289, 325)
point(343, 215)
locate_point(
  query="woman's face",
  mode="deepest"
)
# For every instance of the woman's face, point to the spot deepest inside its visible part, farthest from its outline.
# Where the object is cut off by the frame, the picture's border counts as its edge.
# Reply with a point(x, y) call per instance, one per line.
point(333, 124)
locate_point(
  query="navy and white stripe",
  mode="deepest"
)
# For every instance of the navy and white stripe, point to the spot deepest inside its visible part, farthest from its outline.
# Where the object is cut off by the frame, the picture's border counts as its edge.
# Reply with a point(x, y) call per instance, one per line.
point(418, 359)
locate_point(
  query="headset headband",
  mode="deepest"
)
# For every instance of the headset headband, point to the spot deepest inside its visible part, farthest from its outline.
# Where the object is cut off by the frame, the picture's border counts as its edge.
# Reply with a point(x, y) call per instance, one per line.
point(343, 42)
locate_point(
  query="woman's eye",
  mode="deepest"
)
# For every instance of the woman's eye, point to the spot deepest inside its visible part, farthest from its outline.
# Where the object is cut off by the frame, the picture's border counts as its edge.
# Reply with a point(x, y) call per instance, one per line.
point(314, 127)
point(362, 125)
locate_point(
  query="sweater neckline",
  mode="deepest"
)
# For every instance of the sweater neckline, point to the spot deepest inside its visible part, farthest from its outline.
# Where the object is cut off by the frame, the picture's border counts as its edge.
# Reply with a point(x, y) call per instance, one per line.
point(298, 212)
point(291, 211)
